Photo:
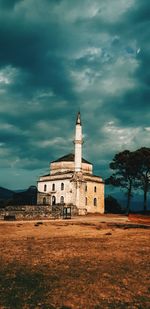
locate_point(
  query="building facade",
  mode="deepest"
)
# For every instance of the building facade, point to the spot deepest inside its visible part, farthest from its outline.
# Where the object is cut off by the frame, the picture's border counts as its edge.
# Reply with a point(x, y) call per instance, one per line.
point(71, 181)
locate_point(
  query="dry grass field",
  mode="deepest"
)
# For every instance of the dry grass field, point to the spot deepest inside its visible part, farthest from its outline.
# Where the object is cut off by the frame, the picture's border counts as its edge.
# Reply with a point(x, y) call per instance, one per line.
point(87, 263)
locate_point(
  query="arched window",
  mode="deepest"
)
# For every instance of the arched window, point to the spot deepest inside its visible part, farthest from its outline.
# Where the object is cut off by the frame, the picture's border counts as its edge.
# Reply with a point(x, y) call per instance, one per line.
point(53, 200)
point(86, 201)
point(53, 187)
point(62, 186)
point(85, 188)
point(45, 187)
point(61, 200)
point(95, 201)
point(95, 189)
point(44, 200)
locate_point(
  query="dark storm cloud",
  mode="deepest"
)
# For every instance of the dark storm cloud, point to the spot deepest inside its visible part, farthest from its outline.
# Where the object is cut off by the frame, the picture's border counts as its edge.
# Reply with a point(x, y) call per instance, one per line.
point(31, 46)
point(59, 56)
point(8, 4)
point(134, 25)
point(141, 12)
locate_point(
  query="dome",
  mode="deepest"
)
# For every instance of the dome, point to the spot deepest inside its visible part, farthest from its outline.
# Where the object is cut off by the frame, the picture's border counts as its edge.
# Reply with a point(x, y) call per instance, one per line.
point(66, 164)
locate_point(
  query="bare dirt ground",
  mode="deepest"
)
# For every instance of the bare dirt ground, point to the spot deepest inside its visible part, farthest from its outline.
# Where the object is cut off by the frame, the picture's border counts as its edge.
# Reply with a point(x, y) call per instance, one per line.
point(87, 263)
point(140, 218)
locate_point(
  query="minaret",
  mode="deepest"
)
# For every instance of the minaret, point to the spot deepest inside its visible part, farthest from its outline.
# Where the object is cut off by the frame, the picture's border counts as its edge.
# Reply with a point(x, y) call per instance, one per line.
point(78, 144)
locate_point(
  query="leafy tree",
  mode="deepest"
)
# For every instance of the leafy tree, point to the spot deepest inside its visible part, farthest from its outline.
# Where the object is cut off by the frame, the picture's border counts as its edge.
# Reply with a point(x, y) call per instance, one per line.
point(125, 173)
point(142, 161)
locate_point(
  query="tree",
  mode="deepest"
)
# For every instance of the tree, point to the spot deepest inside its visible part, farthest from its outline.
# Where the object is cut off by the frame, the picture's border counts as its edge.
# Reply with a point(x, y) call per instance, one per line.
point(142, 160)
point(125, 173)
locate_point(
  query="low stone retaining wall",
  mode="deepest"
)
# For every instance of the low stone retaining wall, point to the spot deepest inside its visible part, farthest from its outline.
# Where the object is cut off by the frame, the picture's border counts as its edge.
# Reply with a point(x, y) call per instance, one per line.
point(30, 212)
point(26, 212)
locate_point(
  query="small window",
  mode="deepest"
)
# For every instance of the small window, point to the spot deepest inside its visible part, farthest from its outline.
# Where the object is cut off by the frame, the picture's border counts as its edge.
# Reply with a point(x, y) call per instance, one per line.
point(61, 200)
point(85, 188)
point(53, 200)
point(86, 201)
point(62, 186)
point(95, 201)
point(53, 187)
point(95, 189)
point(44, 201)
point(45, 187)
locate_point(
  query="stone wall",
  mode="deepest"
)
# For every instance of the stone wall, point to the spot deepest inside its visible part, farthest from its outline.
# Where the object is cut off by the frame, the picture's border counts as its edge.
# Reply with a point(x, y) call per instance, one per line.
point(43, 199)
point(28, 212)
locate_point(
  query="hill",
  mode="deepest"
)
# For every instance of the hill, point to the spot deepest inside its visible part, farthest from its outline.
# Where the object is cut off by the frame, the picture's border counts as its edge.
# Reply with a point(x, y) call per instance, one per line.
point(18, 197)
point(5, 194)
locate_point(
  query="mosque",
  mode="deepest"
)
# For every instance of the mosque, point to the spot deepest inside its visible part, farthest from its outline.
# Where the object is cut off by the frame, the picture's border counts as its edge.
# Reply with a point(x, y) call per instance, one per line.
point(71, 181)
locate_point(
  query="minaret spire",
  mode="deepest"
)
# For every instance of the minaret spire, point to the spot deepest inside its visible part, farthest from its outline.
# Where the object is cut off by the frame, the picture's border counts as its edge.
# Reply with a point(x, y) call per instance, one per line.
point(78, 144)
point(78, 121)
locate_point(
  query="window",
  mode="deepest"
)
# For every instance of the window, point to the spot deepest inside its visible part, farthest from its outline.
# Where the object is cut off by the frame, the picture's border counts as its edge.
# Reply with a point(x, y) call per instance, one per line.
point(85, 188)
point(45, 187)
point(44, 201)
point(95, 189)
point(62, 186)
point(53, 200)
point(61, 200)
point(86, 201)
point(95, 201)
point(53, 187)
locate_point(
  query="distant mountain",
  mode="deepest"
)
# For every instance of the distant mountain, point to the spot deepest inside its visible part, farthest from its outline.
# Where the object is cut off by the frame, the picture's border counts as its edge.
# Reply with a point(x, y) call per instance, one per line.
point(5, 194)
point(26, 197)
point(18, 197)
point(20, 190)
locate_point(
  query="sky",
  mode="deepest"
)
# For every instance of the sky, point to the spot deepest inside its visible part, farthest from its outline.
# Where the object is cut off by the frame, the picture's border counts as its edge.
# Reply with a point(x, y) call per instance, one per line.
point(61, 56)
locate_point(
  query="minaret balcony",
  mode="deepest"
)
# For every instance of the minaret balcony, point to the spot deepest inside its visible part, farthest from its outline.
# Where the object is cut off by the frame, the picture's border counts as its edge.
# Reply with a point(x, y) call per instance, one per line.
point(77, 141)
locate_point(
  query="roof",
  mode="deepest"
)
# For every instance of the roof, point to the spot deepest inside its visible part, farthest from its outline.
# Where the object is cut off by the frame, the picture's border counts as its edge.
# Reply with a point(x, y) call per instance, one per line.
point(69, 158)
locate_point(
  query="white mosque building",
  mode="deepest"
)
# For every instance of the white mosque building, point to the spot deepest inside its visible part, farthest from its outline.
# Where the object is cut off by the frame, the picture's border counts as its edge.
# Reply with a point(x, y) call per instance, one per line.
point(71, 181)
